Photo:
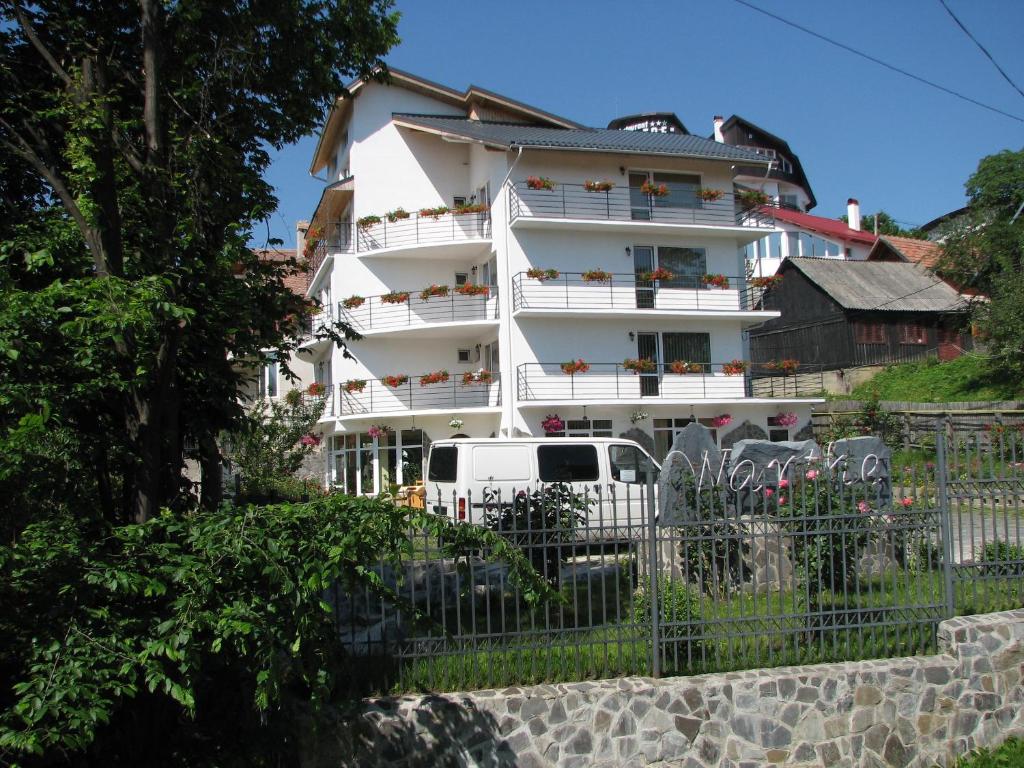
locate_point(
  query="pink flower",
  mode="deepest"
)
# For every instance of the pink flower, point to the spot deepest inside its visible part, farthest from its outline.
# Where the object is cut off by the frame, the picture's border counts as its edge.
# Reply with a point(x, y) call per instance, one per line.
point(309, 440)
point(783, 483)
point(863, 508)
point(906, 501)
point(811, 474)
point(768, 492)
point(782, 499)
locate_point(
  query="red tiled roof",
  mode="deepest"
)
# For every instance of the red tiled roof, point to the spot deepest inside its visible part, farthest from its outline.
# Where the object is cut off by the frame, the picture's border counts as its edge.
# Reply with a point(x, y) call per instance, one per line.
point(295, 282)
point(923, 252)
point(821, 225)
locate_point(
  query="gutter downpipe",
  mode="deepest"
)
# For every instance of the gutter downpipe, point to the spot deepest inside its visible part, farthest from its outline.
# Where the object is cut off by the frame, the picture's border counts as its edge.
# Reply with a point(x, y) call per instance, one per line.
point(508, 404)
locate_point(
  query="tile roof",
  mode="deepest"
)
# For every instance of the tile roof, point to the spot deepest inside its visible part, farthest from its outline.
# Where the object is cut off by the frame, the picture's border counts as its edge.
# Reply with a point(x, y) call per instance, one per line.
point(923, 252)
point(510, 135)
point(821, 225)
point(295, 282)
point(883, 286)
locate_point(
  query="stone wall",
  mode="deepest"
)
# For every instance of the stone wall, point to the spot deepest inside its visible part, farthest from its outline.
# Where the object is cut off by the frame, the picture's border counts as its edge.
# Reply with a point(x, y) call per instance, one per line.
point(919, 711)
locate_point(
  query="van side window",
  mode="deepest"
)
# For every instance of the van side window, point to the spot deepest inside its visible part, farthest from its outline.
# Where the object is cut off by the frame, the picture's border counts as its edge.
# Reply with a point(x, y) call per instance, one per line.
point(567, 463)
point(629, 464)
point(444, 462)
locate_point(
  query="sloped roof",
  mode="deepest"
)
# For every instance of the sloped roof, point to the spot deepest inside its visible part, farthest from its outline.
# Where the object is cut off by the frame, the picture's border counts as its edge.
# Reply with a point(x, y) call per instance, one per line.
point(780, 144)
point(923, 252)
point(295, 282)
point(883, 286)
point(828, 227)
point(511, 135)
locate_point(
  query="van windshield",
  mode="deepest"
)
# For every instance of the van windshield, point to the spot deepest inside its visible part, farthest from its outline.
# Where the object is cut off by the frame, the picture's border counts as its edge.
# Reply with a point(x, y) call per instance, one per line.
point(444, 461)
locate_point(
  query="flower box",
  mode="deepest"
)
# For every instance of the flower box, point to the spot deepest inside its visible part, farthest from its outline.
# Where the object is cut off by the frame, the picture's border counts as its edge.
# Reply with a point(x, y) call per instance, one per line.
point(641, 365)
point(551, 424)
point(751, 198)
point(734, 368)
point(543, 274)
point(368, 221)
point(353, 302)
point(765, 282)
point(433, 290)
point(316, 389)
point(596, 276)
point(716, 281)
point(540, 182)
point(394, 381)
point(395, 297)
point(396, 215)
point(658, 274)
point(471, 208)
point(681, 367)
point(709, 194)
point(437, 377)
point(354, 385)
point(434, 213)
point(483, 376)
point(471, 289)
point(598, 186)
point(787, 366)
point(654, 190)
point(573, 367)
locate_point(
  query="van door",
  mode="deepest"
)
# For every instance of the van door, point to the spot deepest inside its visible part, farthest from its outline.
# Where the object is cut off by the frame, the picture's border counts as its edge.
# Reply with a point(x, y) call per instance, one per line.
point(497, 473)
point(442, 473)
point(629, 469)
point(578, 465)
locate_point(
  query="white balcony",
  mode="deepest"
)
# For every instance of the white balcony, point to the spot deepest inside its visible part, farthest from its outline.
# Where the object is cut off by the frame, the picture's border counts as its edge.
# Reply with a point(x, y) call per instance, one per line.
point(410, 313)
point(412, 397)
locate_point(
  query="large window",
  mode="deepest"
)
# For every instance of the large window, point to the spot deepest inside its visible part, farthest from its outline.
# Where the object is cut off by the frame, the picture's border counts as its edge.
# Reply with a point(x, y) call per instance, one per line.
point(444, 462)
point(567, 463)
point(913, 333)
point(812, 245)
point(868, 332)
point(689, 265)
point(666, 431)
point(682, 192)
point(687, 347)
point(268, 379)
point(630, 465)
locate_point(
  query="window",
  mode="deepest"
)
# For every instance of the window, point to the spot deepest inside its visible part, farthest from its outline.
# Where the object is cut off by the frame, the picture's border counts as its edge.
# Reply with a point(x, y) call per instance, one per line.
point(629, 464)
point(868, 332)
point(777, 433)
point(353, 463)
point(268, 379)
point(687, 347)
point(682, 190)
point(789, 201)
point(461, 278)
point(688, 264)
point(588, 428)
point(783, 164)
point(567, 463)
point(444, 462)
point(913, 333)
point(465, 355)
point(812, 245)
point(458, 201)
point(665, 432)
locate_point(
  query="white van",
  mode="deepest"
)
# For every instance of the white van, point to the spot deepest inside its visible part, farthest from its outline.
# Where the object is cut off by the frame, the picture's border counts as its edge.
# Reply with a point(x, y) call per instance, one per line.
point(466, 476)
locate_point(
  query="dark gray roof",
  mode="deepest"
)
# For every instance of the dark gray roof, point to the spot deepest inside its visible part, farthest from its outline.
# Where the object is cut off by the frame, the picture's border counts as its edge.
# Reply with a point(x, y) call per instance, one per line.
point(884, 286)
point(512, 135)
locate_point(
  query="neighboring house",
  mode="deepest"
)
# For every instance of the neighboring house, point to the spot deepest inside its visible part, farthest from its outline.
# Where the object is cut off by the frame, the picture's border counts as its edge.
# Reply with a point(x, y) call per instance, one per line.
point(842, 314)
point(785, 182)
point(478, 244)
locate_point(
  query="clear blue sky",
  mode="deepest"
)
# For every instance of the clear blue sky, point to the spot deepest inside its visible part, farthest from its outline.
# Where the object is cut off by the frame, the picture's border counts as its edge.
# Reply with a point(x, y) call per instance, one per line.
point(860, 130)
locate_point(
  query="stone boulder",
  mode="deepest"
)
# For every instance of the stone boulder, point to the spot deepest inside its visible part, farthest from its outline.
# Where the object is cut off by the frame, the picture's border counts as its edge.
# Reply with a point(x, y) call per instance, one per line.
point(694, 457)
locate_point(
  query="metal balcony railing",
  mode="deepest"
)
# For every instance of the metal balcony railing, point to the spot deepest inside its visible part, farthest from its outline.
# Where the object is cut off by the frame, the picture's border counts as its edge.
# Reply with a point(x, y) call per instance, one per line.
point(571, 291)
point(613, 381)
point(378, 397)
point(682, 204)
point(375, 314)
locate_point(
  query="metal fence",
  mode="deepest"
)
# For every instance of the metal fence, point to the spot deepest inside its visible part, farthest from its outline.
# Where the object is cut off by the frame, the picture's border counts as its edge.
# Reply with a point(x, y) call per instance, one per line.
point(821, 560)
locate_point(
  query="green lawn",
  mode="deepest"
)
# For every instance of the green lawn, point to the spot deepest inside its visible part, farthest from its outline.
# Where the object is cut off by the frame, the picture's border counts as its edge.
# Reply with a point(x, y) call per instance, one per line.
point(962, 380)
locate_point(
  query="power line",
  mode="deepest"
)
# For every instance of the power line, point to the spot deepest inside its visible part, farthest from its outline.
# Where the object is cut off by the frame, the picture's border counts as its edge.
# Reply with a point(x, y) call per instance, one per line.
point(892, 67)
point(981, 47)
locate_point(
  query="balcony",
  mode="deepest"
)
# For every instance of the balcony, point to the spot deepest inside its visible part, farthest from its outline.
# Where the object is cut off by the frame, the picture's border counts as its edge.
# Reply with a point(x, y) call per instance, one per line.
point(545, 383)
point(411, 397)
point(624, 293)
point(384, 235)
point(437, 316)
point(625, 208)
point(311, 340)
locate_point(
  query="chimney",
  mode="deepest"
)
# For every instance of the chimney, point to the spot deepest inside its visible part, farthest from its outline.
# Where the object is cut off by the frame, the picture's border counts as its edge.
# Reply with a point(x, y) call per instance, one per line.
point(853, 213)
point(718, 120)
point(301, 227)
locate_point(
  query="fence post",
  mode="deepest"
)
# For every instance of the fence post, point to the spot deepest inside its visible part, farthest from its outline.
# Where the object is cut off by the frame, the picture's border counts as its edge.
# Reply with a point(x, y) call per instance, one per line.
point(652, 560)
point(942, 492)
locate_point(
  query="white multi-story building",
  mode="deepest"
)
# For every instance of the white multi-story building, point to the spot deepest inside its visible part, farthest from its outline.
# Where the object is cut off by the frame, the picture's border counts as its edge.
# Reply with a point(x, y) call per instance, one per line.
point(507, 267)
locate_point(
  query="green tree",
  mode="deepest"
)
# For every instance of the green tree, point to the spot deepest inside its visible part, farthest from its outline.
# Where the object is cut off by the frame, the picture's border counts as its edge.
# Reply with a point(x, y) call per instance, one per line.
point(134, 139)
point(887, 225)
point(984, 253)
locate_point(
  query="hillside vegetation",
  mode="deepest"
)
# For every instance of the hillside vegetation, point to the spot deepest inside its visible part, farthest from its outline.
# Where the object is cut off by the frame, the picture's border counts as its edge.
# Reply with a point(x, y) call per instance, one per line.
point(967, 378)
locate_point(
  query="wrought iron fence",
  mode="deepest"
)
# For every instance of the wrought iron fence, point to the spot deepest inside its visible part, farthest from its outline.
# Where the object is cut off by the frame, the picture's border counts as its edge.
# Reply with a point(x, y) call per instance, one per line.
point(821, 559)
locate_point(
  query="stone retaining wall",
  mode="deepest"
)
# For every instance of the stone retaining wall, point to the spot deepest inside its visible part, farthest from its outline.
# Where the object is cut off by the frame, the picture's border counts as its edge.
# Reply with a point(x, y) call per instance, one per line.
point(919, 711)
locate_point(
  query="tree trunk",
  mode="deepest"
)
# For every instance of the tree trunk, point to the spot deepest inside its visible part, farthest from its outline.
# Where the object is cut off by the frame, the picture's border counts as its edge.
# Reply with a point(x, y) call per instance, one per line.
point(212, 488)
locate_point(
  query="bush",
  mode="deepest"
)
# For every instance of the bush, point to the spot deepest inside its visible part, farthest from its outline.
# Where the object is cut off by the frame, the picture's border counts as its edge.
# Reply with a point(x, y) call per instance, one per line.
point(1001, 558)
point(1009, 755)
point(678, 612)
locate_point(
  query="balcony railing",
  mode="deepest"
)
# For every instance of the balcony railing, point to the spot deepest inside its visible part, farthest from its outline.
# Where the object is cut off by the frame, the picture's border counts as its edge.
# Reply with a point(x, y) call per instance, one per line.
point(374, 314)
point(612, 381)
point(681, 205)
point(378, 397)
point(569, 291)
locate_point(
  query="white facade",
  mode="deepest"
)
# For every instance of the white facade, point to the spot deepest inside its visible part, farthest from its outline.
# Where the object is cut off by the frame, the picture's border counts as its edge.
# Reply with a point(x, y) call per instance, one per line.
point(510, 340)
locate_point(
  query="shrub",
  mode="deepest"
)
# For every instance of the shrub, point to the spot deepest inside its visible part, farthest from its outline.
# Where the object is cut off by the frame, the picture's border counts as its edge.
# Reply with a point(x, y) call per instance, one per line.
point(1001, 558)
point(679, 615)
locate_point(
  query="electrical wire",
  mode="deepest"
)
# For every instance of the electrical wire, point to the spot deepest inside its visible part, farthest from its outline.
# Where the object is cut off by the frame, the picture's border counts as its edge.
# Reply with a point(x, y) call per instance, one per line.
point(870, 58)
point(984, 50)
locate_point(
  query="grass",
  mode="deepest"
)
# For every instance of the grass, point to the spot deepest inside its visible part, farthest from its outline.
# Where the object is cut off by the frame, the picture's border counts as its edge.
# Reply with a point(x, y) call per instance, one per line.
point(882, 617)
point(965, 379)
point(1009, 754)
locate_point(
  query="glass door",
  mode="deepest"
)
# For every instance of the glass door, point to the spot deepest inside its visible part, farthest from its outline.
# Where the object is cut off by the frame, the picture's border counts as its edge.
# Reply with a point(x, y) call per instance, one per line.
point(647, 349)
point(643, 261)
point(639, 203)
